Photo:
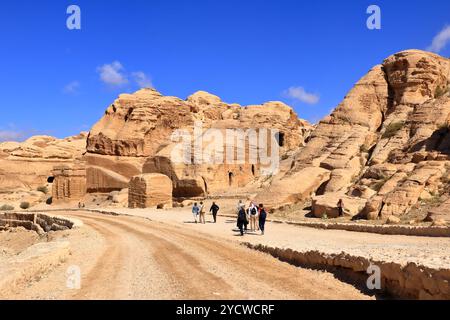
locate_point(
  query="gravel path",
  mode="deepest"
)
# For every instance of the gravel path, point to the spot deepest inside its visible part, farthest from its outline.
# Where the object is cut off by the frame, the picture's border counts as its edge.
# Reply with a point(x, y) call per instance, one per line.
point(124, 257)
point(426, 251)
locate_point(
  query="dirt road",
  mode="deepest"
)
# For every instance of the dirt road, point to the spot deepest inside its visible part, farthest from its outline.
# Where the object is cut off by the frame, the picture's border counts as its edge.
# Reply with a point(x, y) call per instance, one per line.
point(132, 258)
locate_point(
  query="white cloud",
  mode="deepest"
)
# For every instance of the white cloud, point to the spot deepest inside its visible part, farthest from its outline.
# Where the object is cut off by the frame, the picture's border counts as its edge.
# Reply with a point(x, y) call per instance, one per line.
point(113, 74)
point(300, 94)
point(10, 135)
point(440, 40)
point(142, 79)
point(72, 87)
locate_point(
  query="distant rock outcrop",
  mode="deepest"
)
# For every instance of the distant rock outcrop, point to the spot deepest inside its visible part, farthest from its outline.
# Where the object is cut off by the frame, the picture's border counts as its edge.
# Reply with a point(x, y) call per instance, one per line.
point(136, 135)
point(28, 165)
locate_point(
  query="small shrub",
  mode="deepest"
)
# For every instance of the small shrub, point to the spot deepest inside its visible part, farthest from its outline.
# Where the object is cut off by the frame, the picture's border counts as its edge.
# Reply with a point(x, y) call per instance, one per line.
point(434, 201)
point(6, 207)
point(379, 184)
point(363, 149)
point(43, 189)
point(392, 129)
point(24, 205)
point(443, 128)
point(441, 91)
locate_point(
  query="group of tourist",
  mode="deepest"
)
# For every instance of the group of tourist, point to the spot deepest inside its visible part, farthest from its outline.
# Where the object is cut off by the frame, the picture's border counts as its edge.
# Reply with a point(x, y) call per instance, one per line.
point(254, 215)
point(198, 210)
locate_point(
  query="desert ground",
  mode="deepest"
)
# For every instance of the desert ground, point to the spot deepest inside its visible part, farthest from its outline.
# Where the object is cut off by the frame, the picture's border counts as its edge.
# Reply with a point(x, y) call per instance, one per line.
point(124, 257)
point(162, 254)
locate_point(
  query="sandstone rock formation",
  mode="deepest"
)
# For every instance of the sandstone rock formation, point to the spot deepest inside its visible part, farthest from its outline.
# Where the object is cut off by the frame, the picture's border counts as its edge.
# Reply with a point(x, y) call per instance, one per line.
point(326, 205)
point(440, 214)
point(384, 149)
point(28, 165)
point(150, 190)
point(387, 142)
point(143, 133)
point(69, 183)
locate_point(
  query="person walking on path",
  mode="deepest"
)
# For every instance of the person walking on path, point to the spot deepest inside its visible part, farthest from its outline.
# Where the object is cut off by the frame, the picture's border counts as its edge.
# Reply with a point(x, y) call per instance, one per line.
point(262, 218)
point(240, 205)
point(253, 214)
point(214, 210)
point(202, 213)
point(241, 220)
point(195, 211)
point(340, 206)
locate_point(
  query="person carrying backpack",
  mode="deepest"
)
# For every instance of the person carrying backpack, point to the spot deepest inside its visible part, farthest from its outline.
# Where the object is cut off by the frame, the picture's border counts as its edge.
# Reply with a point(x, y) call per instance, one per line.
point(214, 210)
point(241, 220)
point(201, 212)
point(262, 218)
point(253, 214)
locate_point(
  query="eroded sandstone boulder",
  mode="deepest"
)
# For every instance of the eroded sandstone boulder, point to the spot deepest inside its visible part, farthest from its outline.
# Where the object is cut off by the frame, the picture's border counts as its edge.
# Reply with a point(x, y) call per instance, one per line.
point(326, 205)
point(150, 191)
point(294, 188)
point(440, 215)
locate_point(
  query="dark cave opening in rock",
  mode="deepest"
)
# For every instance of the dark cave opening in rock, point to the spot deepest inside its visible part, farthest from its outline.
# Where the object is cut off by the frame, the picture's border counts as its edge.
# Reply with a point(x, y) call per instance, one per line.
point(230, 178)
point(280, 136)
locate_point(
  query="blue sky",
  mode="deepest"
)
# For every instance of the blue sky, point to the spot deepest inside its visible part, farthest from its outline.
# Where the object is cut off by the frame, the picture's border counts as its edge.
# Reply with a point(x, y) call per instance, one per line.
point(59, 82)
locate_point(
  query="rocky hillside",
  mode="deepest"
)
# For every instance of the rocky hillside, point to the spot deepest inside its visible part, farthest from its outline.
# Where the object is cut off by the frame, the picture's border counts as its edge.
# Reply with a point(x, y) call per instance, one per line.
point(27, 165)
point(384, 148)
point(136, 136)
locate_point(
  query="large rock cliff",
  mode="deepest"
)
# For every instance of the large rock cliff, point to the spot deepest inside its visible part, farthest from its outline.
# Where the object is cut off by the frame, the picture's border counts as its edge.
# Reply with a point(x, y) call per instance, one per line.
point(387, 143)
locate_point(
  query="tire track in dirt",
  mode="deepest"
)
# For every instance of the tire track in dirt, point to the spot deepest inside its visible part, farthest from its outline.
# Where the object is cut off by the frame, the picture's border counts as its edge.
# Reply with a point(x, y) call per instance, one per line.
point(171, 245)
point(105, 269)
point(193, 280)
point(262, 268)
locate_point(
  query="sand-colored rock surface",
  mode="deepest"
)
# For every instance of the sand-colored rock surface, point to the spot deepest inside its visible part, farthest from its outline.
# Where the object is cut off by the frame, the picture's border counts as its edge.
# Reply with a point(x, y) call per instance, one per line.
point(440, 214)
point(69, 183)
point(143, 133)
point(28, 165)
point(150, 190)
point(387, 142)
point(326, 205)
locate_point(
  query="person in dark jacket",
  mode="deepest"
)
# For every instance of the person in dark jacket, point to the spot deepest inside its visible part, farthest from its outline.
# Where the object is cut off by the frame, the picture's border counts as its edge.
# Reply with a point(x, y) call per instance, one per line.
point(340, 206)
point(262, 218)
point(241, 220)
point(214, 210)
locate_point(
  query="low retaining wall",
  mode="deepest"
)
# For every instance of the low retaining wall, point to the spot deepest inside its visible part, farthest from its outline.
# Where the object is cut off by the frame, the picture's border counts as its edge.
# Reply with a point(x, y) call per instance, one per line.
point(410, 281)
point(401, 230)
point(41, 223)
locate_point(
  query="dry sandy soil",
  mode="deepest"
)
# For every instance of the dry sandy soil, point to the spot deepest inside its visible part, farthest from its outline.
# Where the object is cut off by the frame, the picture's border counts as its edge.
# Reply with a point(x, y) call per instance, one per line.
point(427, 251)
point(124, 257)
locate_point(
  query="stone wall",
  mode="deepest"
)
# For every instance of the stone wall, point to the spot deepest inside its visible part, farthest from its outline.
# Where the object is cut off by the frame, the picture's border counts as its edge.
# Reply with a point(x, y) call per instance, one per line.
point(39, 222)
point(409, 281)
